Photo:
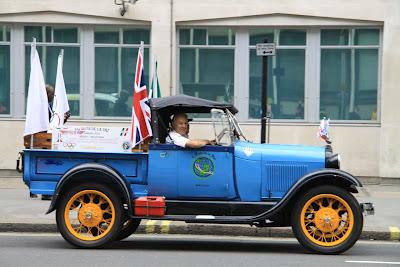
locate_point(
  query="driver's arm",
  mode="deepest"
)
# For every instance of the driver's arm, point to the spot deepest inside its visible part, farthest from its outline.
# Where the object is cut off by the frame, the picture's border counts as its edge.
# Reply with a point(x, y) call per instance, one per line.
point(197, 143)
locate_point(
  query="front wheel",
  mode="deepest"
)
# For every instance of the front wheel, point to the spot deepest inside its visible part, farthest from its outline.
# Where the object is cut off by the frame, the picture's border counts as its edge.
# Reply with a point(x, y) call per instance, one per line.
point(90, 215)
point(327, 219)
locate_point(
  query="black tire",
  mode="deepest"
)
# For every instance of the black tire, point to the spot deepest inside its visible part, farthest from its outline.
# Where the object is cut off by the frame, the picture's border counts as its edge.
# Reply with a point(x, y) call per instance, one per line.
point(332, 220)
point(99, 213)
point(128, 228)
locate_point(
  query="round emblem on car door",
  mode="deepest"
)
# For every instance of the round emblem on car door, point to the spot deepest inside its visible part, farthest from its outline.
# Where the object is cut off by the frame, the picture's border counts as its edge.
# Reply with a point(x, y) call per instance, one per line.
point(203, 167)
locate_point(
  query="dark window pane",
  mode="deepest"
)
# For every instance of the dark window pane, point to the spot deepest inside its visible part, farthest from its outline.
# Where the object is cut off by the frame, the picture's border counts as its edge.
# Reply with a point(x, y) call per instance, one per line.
point(65, 35)
point(4, 79)
point(335, 83)
point(258, 36)
point(4, 33)
point(199, 36)
point(113, 89)
point(184, 36)
point(106, 36)
point(348, 94)
point(33, 32)
point(219, 36)
point(285, 84)
point(292, 37)
point(135, 36)
point(71, 71)
point(366, 37)
point(207, 73)
point(48, 31)
point(335, 37)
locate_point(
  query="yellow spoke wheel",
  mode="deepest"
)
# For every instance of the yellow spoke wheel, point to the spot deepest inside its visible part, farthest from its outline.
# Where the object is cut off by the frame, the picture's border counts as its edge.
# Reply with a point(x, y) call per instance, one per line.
point(89, 215)
point(327, 220)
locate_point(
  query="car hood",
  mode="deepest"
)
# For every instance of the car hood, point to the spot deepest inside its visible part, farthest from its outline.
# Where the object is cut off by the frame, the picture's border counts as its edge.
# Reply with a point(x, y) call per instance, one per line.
point(279, 153)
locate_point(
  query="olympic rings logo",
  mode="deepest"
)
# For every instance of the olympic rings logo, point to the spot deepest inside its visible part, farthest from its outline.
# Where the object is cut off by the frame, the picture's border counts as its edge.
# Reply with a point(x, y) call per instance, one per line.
point(69, 145)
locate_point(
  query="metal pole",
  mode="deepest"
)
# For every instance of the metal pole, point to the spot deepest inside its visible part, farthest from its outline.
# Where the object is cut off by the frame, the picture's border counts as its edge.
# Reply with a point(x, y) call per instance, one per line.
point(264, 95)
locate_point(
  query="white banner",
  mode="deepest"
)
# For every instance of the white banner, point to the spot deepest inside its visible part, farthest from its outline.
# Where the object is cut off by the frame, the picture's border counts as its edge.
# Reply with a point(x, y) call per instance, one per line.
point(91, 138)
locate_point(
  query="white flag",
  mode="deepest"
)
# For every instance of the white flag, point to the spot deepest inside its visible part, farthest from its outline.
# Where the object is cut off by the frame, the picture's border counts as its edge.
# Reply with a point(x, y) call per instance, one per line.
point(37, 113)
point(60, 102)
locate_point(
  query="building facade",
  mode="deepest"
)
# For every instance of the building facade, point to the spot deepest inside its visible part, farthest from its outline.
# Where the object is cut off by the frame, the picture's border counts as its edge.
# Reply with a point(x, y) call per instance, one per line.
point(335, 59)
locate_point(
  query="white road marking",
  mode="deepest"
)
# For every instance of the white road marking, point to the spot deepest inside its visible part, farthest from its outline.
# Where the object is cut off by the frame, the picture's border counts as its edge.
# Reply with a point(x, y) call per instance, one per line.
point(375, 262)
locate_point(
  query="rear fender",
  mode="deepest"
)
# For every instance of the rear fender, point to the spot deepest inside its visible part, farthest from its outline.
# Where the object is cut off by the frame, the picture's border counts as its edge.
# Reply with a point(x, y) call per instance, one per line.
point(98, 173)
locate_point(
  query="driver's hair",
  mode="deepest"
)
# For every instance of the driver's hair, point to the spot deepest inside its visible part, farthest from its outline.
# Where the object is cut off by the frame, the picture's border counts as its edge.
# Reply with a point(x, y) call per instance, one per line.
point(176, 116)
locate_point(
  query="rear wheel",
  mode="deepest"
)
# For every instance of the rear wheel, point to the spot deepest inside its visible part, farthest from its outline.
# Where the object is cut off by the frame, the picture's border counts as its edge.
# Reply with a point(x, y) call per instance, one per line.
point(90, 215)
point(128, 228)
point(327, 219)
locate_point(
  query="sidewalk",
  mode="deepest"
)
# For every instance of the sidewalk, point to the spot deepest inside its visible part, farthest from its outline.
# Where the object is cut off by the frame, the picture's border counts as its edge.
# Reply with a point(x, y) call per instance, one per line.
point(19, 213)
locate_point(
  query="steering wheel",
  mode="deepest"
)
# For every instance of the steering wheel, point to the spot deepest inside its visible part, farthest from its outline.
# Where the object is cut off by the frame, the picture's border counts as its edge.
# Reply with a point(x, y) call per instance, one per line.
point(221, 134)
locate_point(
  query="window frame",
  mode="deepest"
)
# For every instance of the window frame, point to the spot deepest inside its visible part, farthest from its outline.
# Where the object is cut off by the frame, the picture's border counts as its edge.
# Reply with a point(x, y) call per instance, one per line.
point(120, 46)
point(9, 44)
point(312, 74)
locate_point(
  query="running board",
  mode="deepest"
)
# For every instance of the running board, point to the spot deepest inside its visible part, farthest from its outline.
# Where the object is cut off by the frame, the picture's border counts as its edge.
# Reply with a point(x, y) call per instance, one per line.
point(201, 218)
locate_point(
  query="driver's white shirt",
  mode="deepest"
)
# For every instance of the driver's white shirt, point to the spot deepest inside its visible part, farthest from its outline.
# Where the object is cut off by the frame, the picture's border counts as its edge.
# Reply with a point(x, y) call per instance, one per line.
point(177, 139)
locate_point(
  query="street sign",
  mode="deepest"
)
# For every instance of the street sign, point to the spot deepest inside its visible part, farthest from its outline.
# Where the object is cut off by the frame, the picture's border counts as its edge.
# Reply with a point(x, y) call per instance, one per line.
point(265, 49)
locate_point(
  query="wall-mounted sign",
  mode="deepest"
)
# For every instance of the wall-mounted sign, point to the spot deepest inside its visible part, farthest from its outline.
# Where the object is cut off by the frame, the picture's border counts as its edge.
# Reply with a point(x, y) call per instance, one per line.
point(265, 49)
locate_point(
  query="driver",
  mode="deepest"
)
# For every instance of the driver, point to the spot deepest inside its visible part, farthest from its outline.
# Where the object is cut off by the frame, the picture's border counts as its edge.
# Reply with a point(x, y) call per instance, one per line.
point(179, 135)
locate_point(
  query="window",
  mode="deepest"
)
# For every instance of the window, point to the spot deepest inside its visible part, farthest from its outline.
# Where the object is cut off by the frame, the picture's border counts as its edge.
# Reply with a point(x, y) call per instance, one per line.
point(50, 40)
point(4, 69)
point(349, 74)
point(115, 63)
point(286, 73)
point(206, 63)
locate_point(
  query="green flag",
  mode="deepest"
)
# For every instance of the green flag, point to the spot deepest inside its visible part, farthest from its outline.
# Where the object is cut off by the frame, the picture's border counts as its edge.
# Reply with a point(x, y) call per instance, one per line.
point(155, 85)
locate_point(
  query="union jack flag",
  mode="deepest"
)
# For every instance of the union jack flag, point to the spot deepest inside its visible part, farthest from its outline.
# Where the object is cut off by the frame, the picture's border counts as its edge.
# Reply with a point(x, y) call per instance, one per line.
point(141, 116)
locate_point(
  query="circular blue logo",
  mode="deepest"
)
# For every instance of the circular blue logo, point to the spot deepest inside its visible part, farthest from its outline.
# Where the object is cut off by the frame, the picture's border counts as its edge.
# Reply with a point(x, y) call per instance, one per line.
point(203, 167)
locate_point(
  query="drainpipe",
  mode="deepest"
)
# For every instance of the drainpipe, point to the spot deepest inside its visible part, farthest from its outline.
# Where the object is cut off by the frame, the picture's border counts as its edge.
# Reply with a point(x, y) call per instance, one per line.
point(171, 48)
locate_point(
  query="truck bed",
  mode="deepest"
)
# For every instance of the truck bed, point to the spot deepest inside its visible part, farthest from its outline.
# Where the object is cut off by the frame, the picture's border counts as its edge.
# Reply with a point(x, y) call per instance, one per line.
point(42, 168)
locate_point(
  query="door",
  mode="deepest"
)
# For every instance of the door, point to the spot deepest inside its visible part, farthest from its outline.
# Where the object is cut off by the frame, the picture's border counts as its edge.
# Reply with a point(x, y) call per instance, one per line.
point(206, 173)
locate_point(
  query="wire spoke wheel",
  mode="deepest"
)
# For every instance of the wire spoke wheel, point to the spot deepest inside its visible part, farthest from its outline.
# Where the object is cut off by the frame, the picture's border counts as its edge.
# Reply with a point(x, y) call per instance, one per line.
point(327, 220)
point(89, 215)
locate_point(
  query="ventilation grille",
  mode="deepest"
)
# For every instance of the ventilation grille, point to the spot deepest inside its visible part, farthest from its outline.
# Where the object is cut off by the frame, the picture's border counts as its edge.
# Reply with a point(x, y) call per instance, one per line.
point(280, 176)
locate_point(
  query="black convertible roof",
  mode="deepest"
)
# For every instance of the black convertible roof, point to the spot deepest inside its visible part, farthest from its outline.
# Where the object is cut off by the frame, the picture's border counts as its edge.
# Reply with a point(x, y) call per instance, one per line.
point(187, 103)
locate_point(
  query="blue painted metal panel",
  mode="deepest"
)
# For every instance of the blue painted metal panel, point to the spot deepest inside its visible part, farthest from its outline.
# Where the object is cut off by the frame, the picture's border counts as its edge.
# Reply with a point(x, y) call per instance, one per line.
point(179, 173)
point(280, 166)
point(163, 172)
point(45, 167)
point(280, 176)
point(248, 179)
point(205, 174)
point(42, 187)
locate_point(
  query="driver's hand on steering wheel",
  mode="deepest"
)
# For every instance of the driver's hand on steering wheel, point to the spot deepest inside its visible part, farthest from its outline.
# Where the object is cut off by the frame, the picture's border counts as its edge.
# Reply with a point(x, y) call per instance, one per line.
point(212, 142)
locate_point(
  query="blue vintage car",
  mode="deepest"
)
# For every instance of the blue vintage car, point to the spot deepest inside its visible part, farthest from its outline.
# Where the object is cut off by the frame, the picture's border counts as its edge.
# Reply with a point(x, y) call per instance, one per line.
point(96, 195)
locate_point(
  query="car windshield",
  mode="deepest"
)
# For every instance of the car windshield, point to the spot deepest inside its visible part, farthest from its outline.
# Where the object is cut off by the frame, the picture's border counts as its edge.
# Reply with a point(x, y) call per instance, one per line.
point(226, 127)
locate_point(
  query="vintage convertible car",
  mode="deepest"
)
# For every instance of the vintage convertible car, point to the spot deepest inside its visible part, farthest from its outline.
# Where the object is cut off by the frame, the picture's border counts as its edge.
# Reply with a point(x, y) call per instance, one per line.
point(101, 197)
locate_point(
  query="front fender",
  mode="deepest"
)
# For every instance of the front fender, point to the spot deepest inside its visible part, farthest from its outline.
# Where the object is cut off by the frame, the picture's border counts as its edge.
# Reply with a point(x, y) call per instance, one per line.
point(102, 172)
point(325, 176)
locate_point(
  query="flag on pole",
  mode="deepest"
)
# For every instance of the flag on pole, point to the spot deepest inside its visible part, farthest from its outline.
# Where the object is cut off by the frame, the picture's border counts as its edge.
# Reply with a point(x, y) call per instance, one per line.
point(60, 102)
point(140, 125)
point(155, 85)
point(37, 116)
point(323, 130)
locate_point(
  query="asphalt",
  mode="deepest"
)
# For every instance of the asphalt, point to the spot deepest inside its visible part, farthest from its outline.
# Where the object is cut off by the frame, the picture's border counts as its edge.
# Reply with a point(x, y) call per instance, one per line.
point(20, 213)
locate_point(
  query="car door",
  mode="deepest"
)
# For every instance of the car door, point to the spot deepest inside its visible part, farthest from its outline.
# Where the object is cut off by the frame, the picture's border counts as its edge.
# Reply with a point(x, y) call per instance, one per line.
point(206, 173)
